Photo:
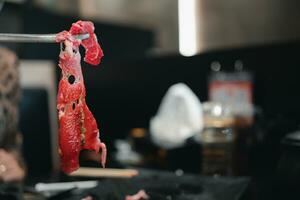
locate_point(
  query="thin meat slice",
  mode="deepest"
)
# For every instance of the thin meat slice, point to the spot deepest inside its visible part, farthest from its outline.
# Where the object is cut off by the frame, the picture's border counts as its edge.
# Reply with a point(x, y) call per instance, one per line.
point(93, 52)
point(77, 126)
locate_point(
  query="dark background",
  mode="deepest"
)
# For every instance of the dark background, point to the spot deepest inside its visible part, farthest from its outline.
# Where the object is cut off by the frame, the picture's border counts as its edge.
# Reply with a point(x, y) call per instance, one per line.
point(125, 91)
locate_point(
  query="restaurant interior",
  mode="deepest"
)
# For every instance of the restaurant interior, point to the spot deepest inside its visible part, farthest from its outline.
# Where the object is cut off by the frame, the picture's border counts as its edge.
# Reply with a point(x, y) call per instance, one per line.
point(194, 99)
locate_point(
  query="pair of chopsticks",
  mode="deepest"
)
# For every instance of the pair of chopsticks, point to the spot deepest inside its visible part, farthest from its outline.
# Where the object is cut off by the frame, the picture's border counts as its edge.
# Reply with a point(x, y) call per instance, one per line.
point(34, 38)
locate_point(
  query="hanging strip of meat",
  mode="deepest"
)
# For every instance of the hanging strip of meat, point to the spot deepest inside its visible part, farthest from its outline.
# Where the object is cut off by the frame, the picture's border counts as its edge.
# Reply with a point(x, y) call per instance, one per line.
point(77, 127)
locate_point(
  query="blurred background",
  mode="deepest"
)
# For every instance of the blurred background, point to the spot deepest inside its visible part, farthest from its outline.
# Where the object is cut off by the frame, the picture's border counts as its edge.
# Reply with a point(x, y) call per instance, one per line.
point(239, 58)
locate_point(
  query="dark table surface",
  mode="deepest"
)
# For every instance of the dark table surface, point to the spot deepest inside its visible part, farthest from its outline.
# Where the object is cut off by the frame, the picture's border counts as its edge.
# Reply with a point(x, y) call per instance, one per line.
point(157, 184)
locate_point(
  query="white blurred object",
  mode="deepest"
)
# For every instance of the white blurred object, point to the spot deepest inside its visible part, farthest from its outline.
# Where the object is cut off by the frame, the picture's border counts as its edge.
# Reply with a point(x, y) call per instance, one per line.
point(42, 187)
point(125, 154)
point(179, 117)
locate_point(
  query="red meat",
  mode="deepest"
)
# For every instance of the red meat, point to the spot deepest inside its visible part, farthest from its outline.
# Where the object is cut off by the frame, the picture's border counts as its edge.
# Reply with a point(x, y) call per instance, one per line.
point(77, 126)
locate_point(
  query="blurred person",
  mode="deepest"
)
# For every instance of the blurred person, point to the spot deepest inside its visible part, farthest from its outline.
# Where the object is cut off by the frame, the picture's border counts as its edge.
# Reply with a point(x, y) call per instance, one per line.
point(12, 168)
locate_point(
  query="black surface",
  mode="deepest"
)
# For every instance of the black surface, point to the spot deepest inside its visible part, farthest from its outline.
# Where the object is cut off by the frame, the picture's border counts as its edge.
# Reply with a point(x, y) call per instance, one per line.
point(166, 186)
point(162, 185)
point(35, 127)
point(10, 191)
